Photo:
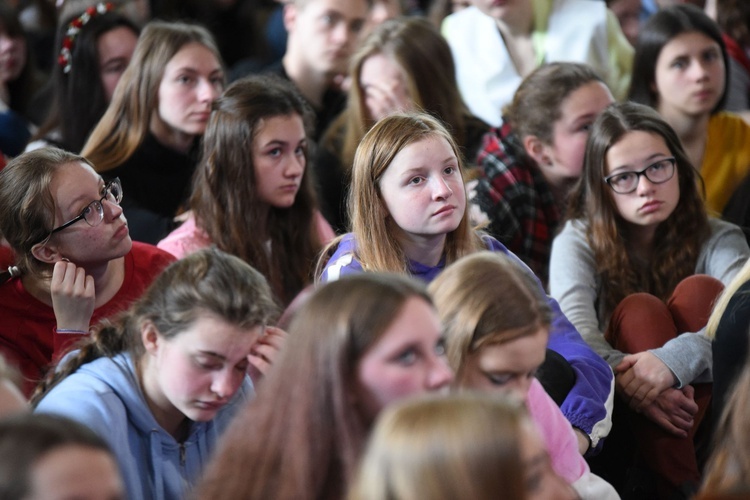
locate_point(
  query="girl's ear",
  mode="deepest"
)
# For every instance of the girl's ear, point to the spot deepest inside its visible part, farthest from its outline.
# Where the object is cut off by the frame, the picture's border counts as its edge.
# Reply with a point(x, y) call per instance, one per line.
point(150, 337)
point(537, 150)
point(45, 252)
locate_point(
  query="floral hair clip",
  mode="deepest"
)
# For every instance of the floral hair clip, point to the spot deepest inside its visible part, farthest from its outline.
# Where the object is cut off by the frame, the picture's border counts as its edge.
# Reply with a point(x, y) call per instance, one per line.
point(64, 59)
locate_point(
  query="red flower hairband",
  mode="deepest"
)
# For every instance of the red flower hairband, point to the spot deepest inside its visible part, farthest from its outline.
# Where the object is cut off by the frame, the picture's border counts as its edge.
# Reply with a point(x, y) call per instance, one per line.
point(64, 59)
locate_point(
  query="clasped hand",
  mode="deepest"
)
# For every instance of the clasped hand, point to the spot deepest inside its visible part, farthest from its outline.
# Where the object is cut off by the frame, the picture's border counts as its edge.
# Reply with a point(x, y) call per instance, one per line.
point(647, 384)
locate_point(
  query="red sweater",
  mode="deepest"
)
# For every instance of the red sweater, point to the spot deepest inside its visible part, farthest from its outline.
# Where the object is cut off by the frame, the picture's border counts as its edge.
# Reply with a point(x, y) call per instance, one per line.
point(27, 326)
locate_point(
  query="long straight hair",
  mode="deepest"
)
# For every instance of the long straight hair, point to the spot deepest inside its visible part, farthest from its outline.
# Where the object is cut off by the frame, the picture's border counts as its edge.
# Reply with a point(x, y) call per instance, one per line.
point(126, 121)
point(225, 197)
point(378, 248)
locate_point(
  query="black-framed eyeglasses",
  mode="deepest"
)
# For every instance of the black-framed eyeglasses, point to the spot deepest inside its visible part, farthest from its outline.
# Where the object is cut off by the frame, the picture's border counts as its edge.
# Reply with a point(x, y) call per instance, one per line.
point(627, 182)
point(93, 214)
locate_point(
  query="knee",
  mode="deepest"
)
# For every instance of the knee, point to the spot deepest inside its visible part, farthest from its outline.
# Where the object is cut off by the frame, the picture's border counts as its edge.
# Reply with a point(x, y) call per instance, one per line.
point(697, 289)
point(640, 306)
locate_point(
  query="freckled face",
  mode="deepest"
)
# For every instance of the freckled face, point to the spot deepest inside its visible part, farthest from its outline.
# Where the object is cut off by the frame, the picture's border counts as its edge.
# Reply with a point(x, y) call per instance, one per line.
point(74, 186)
point(408, 359)
point(423, 191)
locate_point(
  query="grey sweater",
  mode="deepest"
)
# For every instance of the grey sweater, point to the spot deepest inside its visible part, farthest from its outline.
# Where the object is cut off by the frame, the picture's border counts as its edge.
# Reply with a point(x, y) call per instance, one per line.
point(576, 286)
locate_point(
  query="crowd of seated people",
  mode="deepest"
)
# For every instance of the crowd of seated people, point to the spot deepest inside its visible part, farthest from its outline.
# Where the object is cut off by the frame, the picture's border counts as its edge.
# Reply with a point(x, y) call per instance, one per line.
point(375, 249)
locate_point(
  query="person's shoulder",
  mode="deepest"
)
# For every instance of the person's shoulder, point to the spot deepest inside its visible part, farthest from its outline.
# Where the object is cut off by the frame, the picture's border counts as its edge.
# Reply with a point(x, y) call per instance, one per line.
point(572, 231)
point(344, 260)
point(728, 122)
point(85, 394)
point(185, 239)
point(492, 244)
point(719, 227)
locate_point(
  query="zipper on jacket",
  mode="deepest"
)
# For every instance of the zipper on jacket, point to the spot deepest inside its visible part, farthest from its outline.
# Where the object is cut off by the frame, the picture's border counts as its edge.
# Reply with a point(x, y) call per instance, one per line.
point(182, 454)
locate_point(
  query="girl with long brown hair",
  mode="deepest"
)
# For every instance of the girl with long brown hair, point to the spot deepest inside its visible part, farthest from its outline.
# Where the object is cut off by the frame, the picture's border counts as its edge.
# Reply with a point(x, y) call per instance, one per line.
point(637, 269)
point(252, 193)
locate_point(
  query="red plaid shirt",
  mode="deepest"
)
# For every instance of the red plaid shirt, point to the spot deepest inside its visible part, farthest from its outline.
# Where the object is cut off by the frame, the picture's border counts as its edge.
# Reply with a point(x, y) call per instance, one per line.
point(513, 197)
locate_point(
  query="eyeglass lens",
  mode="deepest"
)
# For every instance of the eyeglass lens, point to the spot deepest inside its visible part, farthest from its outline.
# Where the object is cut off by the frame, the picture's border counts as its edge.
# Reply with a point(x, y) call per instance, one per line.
point(627, 182)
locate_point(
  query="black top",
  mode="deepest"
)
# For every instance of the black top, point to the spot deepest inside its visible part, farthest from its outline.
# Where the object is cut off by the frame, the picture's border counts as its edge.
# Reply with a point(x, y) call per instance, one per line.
point(155, 184)
point(730, 346)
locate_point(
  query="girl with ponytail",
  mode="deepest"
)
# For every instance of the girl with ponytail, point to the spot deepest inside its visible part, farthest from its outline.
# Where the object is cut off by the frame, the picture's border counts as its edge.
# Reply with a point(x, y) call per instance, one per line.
point(161, 382)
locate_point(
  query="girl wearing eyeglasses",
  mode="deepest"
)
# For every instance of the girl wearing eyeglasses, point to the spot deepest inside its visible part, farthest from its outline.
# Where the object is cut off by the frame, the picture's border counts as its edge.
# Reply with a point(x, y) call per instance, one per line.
point(74, 260)
point(636, 269)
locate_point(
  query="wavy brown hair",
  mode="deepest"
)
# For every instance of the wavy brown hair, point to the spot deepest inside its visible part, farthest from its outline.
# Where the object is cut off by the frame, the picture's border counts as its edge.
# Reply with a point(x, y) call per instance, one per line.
point(675, 248)
point(378, 249)
point(302, 437)
point(225, 199)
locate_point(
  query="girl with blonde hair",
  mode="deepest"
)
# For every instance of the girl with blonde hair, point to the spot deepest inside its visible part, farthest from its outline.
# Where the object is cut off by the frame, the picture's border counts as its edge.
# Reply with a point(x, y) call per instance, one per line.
point(496, 324)
point(457, 446)
point(149, 133)
point(403, 65)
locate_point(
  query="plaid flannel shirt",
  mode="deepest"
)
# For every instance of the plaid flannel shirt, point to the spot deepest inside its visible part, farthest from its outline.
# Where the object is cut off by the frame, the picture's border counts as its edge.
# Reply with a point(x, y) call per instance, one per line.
point(512, 197)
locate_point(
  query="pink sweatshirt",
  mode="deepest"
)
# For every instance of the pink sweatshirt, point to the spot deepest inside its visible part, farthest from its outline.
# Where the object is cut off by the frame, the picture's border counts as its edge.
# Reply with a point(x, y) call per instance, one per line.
point(562, 445)
point(189, 238)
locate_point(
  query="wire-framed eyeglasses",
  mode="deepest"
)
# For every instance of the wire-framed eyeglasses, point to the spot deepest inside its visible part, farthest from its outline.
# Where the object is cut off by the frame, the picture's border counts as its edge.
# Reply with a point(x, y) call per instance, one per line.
point(93, 214)
point(627, 182)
